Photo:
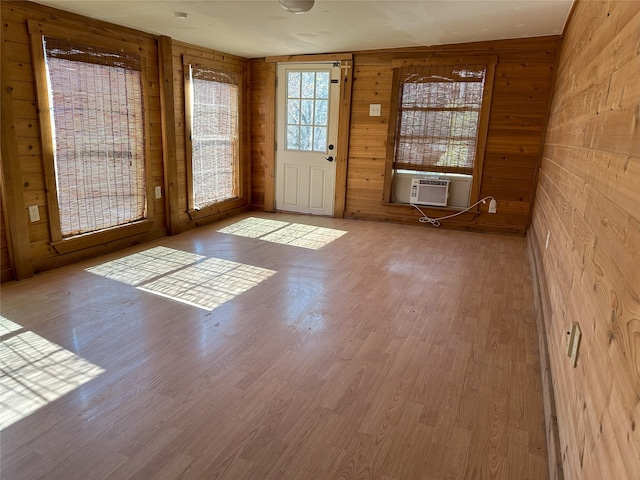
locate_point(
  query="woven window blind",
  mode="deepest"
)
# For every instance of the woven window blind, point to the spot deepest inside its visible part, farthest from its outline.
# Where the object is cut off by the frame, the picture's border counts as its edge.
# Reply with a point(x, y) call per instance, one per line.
point(214, 136)
point(99, 138)
point(438, 117)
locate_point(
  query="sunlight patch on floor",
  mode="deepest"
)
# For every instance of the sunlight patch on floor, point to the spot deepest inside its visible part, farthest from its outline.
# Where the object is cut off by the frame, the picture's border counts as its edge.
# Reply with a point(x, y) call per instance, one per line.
point(285, 233)
point(142, 267)
point(208, 284)
point(7, 326)
point(35, 372)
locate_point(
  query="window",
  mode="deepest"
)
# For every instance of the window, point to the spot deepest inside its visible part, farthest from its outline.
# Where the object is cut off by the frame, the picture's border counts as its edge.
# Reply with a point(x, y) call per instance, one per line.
point(440, 118)
point(213, 140)
point(98, 135)
point(307, 110)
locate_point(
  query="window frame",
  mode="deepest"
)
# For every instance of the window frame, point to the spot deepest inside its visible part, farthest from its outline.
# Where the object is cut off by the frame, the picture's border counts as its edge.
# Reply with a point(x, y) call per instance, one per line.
point(314, 109)
point(73, 243)
point(483, 124)
point(188, 61)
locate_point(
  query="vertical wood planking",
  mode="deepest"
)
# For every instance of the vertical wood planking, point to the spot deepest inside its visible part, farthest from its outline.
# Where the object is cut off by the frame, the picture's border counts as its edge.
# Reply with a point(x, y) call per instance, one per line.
point(14, 207)
point(588, 200)
point(520, 100)
point(270, 139)
point(169, 127)
point(46, 137)
point(258, 101)
point(27, 162)
point(25, 168)
point(6, 252)
point(346, 85)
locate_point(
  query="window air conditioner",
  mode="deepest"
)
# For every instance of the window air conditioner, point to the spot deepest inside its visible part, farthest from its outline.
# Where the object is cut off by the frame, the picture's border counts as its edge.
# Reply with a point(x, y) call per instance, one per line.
point(429, 191)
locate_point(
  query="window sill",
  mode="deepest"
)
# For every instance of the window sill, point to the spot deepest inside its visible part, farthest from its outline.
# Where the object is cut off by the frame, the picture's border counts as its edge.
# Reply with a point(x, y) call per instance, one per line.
point(216, 208)
point(86, 240)
point(435, 208)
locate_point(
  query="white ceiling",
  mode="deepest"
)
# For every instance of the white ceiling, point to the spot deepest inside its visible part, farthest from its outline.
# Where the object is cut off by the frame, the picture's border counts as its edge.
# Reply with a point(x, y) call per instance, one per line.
point(258, 28)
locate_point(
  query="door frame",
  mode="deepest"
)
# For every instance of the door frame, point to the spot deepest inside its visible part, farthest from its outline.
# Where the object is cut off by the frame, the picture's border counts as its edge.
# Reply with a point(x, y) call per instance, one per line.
point(303, 174)
point(344, 117)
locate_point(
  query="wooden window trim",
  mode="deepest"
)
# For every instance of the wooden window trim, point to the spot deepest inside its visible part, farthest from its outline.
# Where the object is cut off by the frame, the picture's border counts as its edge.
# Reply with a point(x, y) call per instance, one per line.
point(311, 58)
point(483, 125)
point(88, 37)
point(239, 200)
point(87, 240)
point(78, 242)
point(342, 151)
point(216, 208)
point(398, 63)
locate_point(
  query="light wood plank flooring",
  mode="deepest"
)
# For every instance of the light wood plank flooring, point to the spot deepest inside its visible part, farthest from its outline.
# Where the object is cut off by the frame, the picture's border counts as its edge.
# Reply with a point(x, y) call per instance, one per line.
point(264, 352)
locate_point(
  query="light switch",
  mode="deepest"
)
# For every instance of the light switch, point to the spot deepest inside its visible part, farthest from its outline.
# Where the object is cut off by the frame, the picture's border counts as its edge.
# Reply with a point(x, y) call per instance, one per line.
point(158, 191)
point(34, 213)
point(375, 110)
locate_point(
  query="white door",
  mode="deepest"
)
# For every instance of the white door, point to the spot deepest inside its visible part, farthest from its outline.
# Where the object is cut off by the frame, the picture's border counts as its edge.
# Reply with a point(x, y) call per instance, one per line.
point(306, 134)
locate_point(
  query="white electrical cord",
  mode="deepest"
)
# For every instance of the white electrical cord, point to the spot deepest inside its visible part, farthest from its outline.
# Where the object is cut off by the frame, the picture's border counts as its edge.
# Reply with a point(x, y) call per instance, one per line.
point(436, 221)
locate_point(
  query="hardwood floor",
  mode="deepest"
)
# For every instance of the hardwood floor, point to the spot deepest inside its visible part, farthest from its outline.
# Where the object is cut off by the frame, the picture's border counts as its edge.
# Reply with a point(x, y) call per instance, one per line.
point(392, 352)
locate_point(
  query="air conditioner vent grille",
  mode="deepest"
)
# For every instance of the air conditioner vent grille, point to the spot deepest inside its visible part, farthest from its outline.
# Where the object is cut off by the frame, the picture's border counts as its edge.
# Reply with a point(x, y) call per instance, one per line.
point(434, 182)
point(430, 191)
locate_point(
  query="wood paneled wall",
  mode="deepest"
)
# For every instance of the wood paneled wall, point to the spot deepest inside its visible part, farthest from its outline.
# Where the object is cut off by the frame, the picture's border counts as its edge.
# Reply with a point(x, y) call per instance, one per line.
point(588, 203)
point(521, 95)
point(6, 264)
point(519, 110)
point(22, 162)
point(29, 161)
point(262, 128)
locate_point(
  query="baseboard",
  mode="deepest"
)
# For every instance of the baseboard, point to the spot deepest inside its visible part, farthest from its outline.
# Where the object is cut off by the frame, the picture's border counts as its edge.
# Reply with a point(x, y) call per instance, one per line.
point(542, 311)
point(447, 225)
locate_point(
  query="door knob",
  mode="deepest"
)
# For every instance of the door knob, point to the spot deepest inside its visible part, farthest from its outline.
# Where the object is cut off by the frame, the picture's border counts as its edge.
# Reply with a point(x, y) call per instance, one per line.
point(329, 159)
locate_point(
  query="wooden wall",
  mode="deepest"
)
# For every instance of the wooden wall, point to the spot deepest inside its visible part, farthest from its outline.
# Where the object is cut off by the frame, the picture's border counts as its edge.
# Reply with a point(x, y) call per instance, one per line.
point(588, 201)
point(262, 115)
point(521, 98)
point(521, 94)
point(29, 161)
point(6, 267)
point(22, 162)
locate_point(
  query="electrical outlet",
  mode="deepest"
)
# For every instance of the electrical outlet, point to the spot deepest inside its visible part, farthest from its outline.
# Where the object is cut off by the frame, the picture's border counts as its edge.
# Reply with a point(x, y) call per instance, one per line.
point(493, 206)
point(34, 213)
point(158, 191)
point(546, 243)
point(375, 110)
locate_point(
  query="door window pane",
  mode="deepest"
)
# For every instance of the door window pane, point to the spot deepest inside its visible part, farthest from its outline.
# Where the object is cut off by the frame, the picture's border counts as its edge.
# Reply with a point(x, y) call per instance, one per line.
point(293, 85)
point(319, 138)
point(322, 112)
point(305, 138)
point(307, 110)
point(293, 137)
point(293, 112)
point(308, 84)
